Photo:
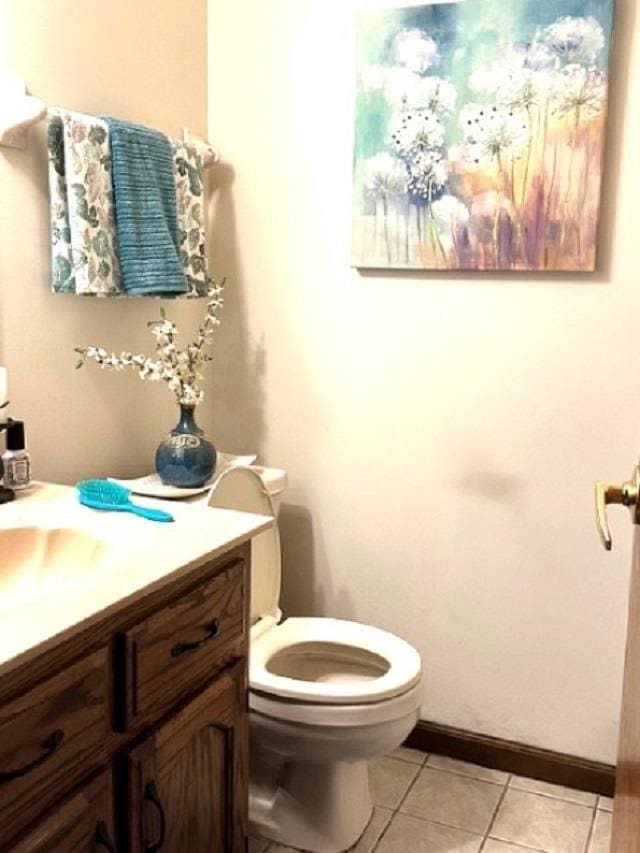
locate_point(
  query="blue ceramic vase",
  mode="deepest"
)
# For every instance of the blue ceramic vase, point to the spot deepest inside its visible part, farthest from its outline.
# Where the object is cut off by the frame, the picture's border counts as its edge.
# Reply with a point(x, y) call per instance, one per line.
point(185, 458)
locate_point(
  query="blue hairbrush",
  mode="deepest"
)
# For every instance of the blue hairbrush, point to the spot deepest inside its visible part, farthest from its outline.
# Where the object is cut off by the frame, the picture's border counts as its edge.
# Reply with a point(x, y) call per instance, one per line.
point(103, 494)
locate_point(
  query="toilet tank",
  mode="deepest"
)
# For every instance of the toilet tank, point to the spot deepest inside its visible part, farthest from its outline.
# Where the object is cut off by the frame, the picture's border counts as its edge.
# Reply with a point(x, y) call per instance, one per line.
point(257, 489)
point(275, 482)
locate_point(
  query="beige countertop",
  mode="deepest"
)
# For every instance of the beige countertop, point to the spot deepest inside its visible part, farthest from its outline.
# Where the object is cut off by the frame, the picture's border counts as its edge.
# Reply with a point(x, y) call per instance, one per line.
point(140, 555)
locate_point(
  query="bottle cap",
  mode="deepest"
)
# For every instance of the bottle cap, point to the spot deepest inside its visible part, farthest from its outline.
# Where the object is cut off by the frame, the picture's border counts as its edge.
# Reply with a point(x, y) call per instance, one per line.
point(15, 435)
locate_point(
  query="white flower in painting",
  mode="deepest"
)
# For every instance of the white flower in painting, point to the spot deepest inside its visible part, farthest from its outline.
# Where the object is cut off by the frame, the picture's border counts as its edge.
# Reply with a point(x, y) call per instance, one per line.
point(428, 172)
point(535, 55)
point(520, 79)
point(485, 79)
point(492, 132)
point(373, 78)
point(415, 50)
point(523, 89)
point(449, 211)
point(579, 91)
point(418, 132)
point(450, 214)
point(407, 90)
point(385, 175)
point(436, 95)
point(403, 88)
point(575, 39)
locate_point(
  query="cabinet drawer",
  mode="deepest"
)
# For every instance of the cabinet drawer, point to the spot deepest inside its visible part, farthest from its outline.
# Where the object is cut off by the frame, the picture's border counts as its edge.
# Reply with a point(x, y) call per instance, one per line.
point(83, 823)
point(50, 737)
point(177, 649)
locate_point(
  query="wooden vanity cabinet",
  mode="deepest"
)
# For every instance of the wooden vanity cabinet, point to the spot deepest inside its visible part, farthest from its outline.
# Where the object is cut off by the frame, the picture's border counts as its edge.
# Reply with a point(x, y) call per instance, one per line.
point(187, 780)
point(82, 823)
point(149, 711)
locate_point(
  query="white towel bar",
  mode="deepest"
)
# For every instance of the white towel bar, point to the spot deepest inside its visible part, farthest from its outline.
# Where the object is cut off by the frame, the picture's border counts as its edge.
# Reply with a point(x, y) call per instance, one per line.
point(18, 111)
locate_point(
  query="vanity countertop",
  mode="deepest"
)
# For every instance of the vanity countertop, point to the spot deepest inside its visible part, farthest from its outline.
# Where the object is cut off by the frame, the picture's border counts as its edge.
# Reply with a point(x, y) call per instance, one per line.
point(142, 556)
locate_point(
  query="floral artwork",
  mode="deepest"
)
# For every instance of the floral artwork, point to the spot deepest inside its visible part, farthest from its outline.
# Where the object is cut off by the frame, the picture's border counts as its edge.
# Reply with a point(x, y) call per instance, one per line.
point(480, 129)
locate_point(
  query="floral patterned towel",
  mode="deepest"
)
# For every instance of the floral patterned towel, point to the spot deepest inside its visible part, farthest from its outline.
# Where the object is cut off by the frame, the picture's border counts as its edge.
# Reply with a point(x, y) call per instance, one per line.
point(83, 236)
point(190, 201)
point(85, 258)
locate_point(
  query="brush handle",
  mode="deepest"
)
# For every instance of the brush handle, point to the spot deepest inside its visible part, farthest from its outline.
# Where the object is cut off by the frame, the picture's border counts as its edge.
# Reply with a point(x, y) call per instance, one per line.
point(146, 512)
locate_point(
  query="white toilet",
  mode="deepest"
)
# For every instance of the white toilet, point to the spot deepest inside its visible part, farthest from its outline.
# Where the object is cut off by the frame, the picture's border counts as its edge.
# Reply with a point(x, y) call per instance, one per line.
point(325, 696)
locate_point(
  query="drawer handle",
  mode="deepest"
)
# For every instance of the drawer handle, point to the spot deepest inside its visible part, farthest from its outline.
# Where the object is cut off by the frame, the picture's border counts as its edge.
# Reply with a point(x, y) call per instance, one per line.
point(101, 837)
point(182, 648)
point(151, 794)
point(49, 745)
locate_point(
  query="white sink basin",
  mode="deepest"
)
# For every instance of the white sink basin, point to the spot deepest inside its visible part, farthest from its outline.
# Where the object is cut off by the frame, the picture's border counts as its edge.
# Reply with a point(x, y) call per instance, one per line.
point(37, 562)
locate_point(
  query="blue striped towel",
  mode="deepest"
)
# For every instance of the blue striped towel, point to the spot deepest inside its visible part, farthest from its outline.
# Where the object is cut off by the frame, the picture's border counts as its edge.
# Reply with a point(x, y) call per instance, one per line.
point(146, 217)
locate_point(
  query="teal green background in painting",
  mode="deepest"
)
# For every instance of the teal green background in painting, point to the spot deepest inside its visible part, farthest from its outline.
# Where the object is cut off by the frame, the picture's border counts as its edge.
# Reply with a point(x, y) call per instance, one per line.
point(468, 34)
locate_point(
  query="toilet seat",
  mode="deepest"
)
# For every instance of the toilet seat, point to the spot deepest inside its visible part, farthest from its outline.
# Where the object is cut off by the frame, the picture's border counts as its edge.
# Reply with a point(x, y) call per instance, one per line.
point(350, 663)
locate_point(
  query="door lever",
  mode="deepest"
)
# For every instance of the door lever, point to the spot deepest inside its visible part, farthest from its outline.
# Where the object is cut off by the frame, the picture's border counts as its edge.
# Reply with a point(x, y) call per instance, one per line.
point(628, 494)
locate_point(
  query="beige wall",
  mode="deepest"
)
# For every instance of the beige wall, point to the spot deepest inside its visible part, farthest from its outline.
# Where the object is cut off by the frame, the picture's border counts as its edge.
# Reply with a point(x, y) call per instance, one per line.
point(143, 60)
point(442, 432)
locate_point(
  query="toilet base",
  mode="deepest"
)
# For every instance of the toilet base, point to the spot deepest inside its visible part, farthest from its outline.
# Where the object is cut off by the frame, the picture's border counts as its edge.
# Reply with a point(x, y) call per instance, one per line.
point(323, 808)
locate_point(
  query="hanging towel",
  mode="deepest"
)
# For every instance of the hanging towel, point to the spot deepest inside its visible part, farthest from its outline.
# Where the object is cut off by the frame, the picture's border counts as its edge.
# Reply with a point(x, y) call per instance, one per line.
point(83, 243)
point(190, 201)
point(146, 214)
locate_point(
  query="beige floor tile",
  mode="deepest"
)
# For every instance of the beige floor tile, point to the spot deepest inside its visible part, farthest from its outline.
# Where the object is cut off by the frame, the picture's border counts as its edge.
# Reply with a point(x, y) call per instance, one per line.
point(454, 800)
point(605, 803)
point(492, 845)
point(584, 798)
point(601, 837)
point(543, 823)
point(377, 825)
point(404, 753)
point(390, 780)
point(462, 768)
point(411, 835)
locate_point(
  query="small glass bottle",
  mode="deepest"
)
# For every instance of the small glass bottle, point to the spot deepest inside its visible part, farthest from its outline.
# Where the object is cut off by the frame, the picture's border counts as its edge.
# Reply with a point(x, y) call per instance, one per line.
point(16, 459)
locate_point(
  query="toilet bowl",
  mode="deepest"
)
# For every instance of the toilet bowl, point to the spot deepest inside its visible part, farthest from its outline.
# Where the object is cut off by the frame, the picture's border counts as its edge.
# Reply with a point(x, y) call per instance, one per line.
point(325, 697)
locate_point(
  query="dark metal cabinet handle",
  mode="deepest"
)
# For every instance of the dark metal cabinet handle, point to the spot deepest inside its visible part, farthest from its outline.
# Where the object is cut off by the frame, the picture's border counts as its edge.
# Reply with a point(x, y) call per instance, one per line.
point(151, 795)
point(49, 746)
point(182, 648)
point(101, 837)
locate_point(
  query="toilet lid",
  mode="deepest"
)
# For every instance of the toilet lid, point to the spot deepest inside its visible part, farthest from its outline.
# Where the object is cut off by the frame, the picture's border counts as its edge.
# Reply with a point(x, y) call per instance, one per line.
point(242, 489)
point(331, 661)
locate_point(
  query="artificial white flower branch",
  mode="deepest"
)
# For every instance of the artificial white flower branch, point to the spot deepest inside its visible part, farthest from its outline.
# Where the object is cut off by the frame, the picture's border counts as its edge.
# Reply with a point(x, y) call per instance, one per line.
point(179, 368)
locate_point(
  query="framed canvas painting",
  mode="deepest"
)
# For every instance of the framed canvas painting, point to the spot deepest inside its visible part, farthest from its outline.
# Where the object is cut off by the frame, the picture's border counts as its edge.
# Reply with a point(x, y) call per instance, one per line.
point(480, 132)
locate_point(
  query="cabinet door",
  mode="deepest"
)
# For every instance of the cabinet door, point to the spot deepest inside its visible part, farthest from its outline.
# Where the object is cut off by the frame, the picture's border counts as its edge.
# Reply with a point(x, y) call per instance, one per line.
point(188, 780)
point(83, 823)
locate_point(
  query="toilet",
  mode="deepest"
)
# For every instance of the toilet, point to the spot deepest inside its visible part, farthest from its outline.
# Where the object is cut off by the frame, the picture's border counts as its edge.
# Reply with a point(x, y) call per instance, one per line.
point(325, 697)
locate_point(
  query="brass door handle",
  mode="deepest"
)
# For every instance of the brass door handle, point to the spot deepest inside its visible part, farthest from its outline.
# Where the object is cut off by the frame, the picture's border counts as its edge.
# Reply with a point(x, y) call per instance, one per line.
point(628, 494)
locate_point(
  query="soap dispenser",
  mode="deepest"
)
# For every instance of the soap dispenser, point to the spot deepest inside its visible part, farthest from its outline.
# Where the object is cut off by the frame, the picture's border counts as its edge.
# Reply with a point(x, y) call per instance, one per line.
point(16, 460)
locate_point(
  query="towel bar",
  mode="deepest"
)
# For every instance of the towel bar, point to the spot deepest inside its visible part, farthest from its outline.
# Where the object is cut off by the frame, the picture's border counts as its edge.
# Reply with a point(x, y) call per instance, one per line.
point(18, 111)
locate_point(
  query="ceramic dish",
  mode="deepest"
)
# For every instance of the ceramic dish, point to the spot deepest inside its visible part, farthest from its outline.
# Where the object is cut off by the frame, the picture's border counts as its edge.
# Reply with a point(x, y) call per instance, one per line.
point(152, 486)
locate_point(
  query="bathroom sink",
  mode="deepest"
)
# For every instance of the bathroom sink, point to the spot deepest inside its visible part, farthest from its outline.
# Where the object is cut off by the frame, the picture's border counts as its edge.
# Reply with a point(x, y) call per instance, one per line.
point(37, 562)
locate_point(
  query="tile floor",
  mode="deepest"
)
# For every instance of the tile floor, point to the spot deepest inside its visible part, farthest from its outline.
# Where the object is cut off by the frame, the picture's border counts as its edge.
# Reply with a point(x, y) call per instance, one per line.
point(433, 804)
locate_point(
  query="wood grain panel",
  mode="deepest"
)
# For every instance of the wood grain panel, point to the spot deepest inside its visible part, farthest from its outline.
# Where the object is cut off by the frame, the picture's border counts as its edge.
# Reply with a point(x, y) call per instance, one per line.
point(83, 823)
point(196, 762)
point(626, 813)
point(37, 665)
point(75, 667)
point(174, 651)
point(50, 737)
point(513, 757)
